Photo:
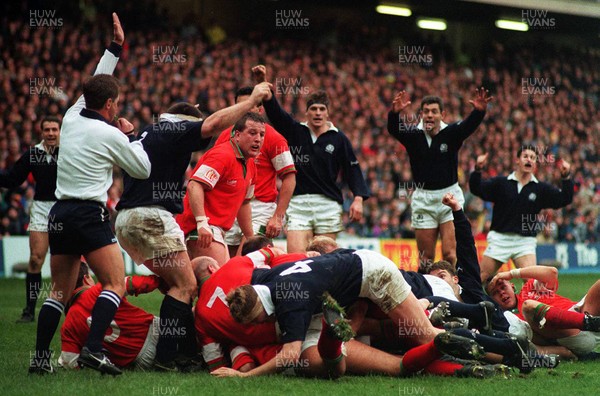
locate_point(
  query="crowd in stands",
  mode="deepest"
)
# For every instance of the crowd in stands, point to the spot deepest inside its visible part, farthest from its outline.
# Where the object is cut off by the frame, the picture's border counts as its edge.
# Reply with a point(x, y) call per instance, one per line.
point(42, 69)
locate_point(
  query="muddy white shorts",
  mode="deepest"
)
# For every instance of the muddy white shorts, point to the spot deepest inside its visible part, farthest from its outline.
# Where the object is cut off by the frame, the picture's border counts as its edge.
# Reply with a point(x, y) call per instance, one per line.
point(148, 232)
point(382, 282)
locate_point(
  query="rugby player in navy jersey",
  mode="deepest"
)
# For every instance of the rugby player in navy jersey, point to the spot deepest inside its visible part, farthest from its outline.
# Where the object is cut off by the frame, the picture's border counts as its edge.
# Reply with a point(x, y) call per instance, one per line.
point(322, 153)
point(432, 147)
point(39, 161)
point(518, 199)
point(146, 227)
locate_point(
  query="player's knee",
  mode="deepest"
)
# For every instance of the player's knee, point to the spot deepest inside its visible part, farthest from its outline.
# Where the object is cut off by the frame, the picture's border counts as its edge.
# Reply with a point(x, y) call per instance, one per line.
point(35, 262)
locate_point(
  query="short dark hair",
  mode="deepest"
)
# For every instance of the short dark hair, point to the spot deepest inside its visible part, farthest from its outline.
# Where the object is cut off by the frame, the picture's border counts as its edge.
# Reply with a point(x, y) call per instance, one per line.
point(240, 125)
point(243, 91)
point(84, 270)
point(430, 99)
point(318, 97)
point(185, 108)
point(526, 147)
point(255, 243)
point(98, 89)
point(442, 265)
point(50, 119)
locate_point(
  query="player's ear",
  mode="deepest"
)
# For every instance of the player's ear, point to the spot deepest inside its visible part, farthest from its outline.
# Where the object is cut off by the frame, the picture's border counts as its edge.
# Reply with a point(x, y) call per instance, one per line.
point(443, 113)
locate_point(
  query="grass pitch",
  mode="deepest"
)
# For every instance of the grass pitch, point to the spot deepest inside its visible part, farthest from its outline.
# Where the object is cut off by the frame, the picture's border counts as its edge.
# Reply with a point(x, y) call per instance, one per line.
point(17, 342)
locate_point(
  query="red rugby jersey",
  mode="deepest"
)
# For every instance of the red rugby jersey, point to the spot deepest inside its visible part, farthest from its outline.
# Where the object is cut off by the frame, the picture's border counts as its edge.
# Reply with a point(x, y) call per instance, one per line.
point(228, 179)
point(274, 160)
point(213, 322)
point(127, 332)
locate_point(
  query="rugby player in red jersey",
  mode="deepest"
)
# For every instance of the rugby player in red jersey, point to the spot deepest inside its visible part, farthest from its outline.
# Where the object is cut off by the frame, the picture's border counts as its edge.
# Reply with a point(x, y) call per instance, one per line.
point(574, 325)
point(274, 161)
point(220, 188)
point(131, 338)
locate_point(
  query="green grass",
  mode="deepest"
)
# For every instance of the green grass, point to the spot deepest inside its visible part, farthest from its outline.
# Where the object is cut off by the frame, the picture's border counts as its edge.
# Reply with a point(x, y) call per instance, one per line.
point(16, 342)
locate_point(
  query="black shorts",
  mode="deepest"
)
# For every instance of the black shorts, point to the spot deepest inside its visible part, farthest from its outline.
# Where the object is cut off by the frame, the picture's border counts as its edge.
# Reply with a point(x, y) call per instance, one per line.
point(78, 227)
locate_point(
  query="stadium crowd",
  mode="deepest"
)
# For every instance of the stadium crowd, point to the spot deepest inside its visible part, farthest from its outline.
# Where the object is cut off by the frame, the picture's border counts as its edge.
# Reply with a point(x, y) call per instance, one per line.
point(542, 97)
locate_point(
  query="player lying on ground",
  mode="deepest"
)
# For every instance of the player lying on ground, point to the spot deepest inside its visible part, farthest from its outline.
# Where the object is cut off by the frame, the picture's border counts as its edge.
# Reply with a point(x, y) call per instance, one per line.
point(132, 337)
point(553, 318)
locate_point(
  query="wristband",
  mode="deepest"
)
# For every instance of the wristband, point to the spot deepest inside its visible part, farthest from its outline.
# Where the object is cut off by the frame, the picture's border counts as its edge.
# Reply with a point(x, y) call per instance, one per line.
point(515, 273)
point(202, 222)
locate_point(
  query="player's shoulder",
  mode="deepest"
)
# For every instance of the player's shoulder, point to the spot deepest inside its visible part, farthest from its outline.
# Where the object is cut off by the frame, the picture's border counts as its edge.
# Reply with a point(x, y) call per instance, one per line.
point(224, 136)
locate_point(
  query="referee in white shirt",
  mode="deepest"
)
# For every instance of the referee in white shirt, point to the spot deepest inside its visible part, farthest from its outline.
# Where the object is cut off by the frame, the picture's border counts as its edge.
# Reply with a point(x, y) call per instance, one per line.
point(79, 221)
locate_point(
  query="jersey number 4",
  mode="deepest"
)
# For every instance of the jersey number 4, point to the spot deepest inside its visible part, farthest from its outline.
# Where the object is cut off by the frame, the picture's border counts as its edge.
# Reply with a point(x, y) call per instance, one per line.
point(298, 268)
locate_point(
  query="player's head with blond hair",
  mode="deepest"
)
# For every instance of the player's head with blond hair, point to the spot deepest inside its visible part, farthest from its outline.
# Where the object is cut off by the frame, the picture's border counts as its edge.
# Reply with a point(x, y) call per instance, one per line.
point(244, 304)
point(322, 244)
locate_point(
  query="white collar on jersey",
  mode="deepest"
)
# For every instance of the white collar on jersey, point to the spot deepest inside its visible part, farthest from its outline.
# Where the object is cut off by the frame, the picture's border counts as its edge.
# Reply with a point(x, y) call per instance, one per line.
point(41, 146)
point(265, 298)
point(513, 176)
point(312, 134)
point(427, 136)
point(442, 125)
point(177, 117)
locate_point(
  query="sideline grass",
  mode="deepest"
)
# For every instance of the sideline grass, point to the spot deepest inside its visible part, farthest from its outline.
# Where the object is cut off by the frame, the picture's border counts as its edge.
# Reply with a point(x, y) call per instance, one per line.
point(17, 340)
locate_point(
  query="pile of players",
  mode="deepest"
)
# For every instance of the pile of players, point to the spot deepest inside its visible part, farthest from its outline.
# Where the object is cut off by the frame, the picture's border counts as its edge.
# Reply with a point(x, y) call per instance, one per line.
point(440, 320)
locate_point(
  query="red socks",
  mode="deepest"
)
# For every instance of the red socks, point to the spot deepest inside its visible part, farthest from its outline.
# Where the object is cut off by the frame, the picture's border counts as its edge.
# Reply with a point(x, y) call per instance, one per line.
point(329, 347)
point(440, 367)
point(417, 358)
point(557, 318)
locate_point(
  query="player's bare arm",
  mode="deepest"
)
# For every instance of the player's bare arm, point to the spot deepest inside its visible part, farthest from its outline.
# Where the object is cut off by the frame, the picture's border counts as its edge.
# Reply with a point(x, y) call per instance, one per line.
point(287, 357)
point(546, 275)
point(228, 116)
point(196, 191)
